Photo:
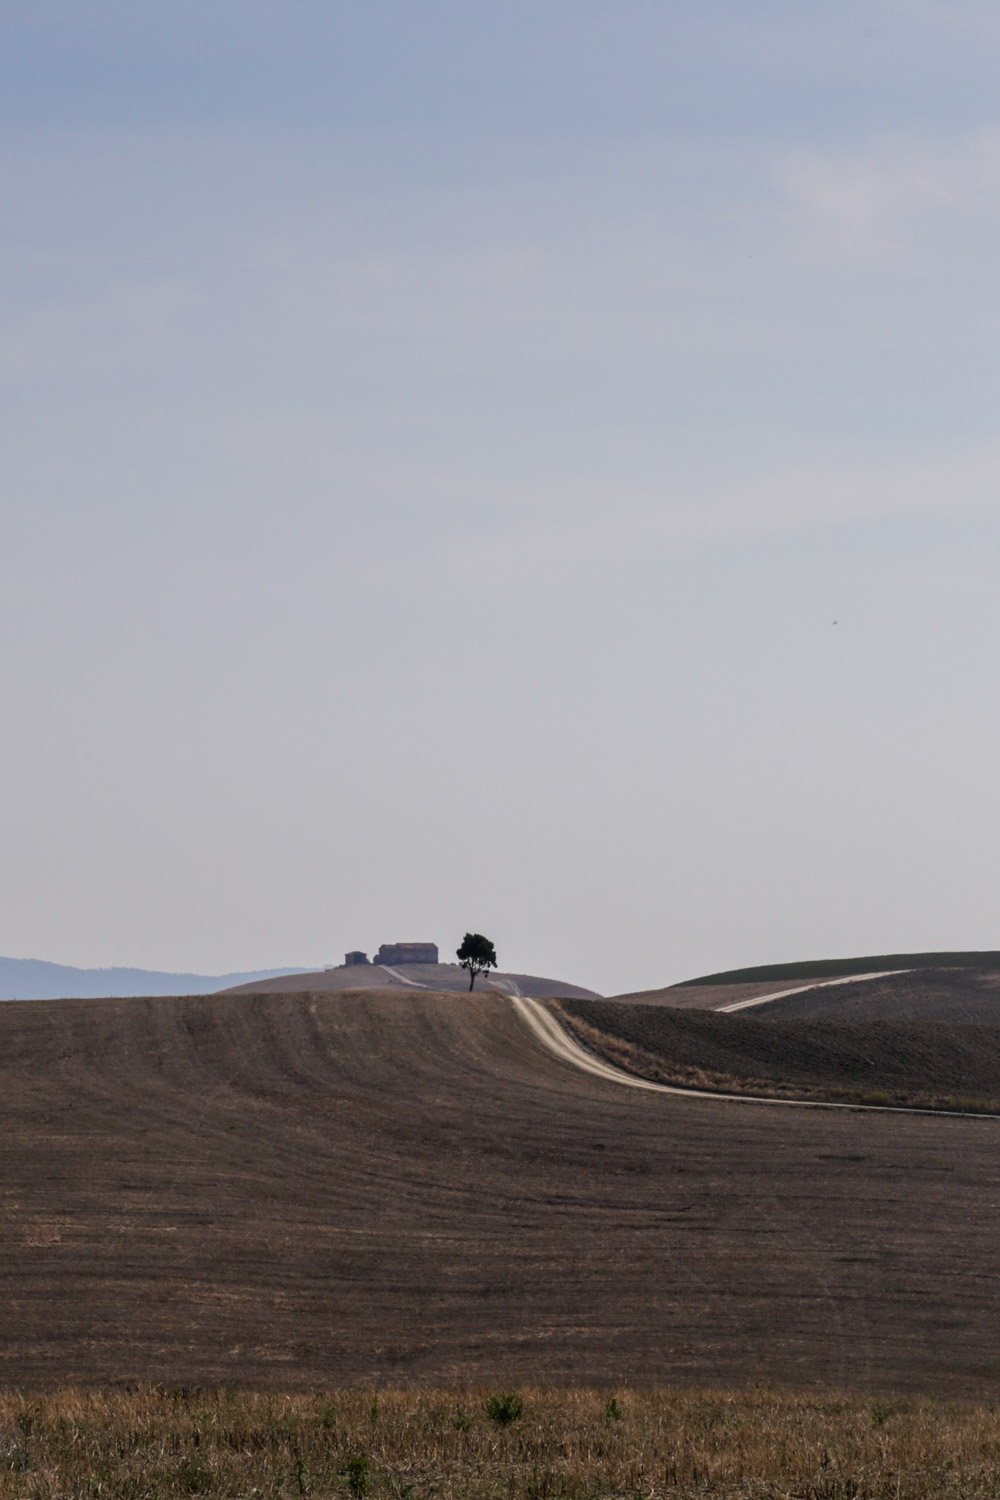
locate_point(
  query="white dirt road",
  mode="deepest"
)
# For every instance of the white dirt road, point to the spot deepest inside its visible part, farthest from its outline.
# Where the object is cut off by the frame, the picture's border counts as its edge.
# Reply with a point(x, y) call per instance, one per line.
point(820, 984)
point(413, 983)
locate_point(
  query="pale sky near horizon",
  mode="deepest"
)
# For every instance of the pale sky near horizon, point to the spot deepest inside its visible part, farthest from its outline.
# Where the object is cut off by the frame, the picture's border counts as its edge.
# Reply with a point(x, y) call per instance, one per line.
point(524, 468)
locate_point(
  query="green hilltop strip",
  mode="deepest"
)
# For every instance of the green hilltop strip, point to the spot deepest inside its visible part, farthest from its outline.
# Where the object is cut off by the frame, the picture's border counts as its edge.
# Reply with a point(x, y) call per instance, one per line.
point(832, 968)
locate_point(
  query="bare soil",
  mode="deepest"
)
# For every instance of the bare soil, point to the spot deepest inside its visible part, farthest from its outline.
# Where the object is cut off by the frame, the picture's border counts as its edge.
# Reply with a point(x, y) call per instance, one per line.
point(294, 1191)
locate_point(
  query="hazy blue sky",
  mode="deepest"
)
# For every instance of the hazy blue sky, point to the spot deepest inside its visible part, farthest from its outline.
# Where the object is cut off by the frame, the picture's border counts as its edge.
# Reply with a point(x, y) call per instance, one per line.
point(438, 441)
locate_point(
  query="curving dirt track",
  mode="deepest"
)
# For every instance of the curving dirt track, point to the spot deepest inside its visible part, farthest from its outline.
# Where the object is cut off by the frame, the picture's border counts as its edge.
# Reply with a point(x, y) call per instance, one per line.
point(803, 1062)
point(296, 1190)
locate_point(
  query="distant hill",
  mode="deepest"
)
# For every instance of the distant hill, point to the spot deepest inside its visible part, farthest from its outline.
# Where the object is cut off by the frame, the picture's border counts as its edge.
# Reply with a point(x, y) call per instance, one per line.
point(436, 977)
point(832, 968)
point(33, 979)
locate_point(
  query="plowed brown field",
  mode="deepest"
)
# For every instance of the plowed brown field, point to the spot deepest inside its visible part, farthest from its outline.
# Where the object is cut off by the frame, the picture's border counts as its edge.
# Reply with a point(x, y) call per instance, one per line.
point(297, 1190)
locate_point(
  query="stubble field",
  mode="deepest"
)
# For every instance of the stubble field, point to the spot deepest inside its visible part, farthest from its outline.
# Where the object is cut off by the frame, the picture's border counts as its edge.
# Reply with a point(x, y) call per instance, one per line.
point(577, 1444)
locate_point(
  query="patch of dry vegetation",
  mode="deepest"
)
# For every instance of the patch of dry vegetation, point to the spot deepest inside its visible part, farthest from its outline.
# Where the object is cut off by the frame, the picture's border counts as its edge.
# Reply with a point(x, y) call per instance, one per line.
point(576, 1444)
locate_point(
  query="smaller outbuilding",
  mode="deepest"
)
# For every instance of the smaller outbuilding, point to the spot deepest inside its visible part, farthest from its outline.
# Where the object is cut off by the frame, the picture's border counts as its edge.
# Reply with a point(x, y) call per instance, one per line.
point(356, 957)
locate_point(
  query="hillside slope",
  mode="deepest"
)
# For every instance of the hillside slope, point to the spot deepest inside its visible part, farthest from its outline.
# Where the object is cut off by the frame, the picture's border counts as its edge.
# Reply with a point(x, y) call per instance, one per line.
point(702, 996)
point(951, 992)
point(829, 968)
point(961, 997)
point(300, 1190)
point(924, 1064)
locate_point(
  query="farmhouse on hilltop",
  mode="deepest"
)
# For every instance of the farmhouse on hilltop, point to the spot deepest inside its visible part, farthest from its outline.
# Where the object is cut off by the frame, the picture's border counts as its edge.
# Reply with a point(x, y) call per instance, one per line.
point(407, 953)
point(395, 953)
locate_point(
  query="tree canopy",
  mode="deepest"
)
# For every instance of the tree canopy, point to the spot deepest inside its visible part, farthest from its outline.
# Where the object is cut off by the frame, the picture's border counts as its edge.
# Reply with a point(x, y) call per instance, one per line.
point(477, 954)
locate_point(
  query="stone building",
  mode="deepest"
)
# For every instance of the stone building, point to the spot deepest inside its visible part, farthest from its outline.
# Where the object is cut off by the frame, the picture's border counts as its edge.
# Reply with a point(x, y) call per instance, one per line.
point(355, 957)
point(407, 953)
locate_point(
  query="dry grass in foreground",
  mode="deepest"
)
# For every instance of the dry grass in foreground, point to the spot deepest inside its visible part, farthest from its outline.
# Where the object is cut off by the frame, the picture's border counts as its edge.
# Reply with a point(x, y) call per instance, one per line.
point(469, 1442)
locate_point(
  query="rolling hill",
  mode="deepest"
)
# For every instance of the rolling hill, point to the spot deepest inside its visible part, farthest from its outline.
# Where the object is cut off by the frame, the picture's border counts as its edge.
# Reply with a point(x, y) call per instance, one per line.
point(861, 1058)
point(829, 968)
point(906, 986)
point(957, 996)
point(438, 977)
point(298, 1190)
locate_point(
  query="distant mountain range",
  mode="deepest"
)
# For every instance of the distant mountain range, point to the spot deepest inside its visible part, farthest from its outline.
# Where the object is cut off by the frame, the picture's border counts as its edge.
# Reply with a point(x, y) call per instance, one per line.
point(33, 979)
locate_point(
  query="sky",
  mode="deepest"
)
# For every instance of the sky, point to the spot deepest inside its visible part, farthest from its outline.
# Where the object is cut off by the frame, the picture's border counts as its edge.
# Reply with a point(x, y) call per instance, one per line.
point(531, 469)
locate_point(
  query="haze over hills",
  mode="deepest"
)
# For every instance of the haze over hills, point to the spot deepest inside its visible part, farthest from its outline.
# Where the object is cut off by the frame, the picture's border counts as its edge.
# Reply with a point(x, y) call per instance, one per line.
point(34, 979)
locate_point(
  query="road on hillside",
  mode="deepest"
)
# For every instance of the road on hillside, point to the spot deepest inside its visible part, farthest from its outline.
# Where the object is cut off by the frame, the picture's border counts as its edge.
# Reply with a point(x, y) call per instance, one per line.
point(556, 1039)
point(802, 989)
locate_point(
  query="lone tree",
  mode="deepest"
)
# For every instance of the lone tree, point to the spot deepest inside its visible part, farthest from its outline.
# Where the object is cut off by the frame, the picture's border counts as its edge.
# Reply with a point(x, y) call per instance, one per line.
point(477, 954)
